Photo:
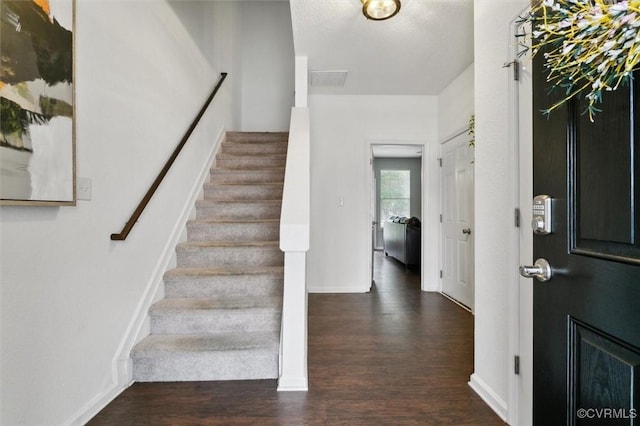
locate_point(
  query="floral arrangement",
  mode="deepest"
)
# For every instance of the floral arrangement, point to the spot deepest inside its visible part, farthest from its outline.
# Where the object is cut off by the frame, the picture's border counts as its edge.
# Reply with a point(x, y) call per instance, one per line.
point(594, 46)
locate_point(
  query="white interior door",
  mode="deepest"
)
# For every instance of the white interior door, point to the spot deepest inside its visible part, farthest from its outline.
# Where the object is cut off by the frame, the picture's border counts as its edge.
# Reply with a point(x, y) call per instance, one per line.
point(457, 220)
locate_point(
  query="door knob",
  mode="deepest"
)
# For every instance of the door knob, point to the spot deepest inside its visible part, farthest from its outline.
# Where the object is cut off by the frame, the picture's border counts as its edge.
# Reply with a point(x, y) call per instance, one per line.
point(467, 231)
point(541, 270)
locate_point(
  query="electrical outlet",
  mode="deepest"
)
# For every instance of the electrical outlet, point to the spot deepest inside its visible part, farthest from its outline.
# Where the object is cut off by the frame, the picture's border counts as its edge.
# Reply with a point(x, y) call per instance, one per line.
point(83, 189)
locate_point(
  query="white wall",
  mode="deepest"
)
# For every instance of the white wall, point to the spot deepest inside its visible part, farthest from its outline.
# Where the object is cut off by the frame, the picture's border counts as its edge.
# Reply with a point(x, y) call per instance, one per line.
point(456, 105)
point(69, 294)
point(342, 127)
point(264, 60)
point(494, 203)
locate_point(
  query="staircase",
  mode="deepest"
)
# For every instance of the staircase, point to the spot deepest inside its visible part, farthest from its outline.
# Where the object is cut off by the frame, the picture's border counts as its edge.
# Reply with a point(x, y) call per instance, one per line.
point(220, 319)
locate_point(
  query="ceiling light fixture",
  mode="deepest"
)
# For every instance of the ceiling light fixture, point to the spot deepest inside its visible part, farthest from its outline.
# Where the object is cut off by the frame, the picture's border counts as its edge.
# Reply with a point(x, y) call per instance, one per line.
point(379, 10)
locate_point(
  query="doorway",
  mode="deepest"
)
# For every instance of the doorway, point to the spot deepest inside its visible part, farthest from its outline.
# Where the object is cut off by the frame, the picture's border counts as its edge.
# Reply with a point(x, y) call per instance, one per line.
point(396, 205)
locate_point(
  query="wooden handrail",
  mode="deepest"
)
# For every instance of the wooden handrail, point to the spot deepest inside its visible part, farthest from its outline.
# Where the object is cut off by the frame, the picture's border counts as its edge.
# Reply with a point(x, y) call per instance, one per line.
point(156, 183)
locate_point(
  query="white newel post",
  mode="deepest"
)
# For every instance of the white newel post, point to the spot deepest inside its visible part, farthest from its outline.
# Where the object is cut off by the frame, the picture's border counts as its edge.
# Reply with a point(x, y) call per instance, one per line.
point(293, 376)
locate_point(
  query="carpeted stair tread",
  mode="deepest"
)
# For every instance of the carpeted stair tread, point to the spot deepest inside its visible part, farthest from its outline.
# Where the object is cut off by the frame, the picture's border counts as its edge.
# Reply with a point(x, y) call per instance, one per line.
point(208, 203)
point(233, 230)
point(168, 344)
point(275, 175)
point(237, 209)
point(254, 185)
point(200, 357)
point(266, 161)
point(229, 281)
point(253, 137)
point(259, 148)
point(228, 302)
point(252, 203)
point(255, 170)
point(274, 156)
point(229, 270)
point(233, 221)
point(252, 191)
point(248, 168)
point(240, 314)
point(202, 254)
point(258, 171)
point(205, 244)
point(272, 169)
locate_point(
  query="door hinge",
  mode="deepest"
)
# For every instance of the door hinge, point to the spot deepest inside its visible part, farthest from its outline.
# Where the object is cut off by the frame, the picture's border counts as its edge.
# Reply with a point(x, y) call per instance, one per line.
point(440, 161)
point(516, 364)
point(441, 274)
point(440, 217)
point(516, 217)
point(516, 68)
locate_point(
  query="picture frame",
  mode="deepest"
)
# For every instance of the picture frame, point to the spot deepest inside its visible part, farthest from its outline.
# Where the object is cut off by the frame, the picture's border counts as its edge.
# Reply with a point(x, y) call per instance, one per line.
point(37, 103)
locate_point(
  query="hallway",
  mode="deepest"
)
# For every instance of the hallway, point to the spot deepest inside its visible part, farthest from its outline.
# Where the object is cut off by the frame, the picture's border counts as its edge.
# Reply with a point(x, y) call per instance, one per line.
point(392, 356)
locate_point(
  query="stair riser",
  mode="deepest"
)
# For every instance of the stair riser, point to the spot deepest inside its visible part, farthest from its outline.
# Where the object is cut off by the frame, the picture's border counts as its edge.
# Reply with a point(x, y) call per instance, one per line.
point(244, 177)
point(211, 257)
point(261, 231)
point(243, 192)
point(216, 321)
point(222, 285)
point(226, 365)
point(224, 211)
point(250, 162)
point(254, 148)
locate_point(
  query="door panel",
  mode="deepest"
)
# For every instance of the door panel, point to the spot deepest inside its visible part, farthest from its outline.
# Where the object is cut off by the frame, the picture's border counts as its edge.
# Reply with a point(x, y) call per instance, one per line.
point(587, 317)
point(603, 372)
point(604, 198)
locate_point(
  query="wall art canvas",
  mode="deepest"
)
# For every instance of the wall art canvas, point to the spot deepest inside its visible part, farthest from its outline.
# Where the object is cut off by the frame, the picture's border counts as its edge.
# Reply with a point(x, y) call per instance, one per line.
point(37, 131)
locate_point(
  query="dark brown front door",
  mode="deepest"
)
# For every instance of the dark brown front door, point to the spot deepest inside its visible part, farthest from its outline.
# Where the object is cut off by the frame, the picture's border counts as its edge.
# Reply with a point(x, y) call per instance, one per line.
point(587, 317)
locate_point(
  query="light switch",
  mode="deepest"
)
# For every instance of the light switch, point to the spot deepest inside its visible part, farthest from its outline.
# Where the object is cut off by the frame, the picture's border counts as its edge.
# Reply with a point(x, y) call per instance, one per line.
point(83, 189)
point(340, 201)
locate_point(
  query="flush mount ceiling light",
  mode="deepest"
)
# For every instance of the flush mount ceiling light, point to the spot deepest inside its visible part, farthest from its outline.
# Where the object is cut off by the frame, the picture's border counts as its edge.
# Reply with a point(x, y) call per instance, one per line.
point(379, 10)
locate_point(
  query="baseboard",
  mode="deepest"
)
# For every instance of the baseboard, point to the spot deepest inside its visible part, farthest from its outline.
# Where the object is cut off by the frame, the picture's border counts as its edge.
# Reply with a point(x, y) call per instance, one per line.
point(353, 289)
point(463, 306)
point(491, 398)
point(97, 404)
point(293, 385)
point(121, 364)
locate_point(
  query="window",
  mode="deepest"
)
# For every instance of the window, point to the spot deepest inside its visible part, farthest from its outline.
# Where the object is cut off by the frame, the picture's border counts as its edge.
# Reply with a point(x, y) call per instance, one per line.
point(395, 194)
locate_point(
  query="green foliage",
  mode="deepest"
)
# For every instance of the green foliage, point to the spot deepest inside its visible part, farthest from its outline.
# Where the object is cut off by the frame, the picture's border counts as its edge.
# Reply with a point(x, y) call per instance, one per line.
point(590, 47)
point(14, 119)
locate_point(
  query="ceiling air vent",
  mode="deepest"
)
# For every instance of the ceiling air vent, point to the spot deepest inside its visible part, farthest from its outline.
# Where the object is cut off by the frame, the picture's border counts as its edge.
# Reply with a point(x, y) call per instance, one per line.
point(335, 78)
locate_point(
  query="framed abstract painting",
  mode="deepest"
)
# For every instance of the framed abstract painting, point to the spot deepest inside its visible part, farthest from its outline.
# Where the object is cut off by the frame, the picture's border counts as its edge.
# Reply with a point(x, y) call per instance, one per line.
point(37, 101)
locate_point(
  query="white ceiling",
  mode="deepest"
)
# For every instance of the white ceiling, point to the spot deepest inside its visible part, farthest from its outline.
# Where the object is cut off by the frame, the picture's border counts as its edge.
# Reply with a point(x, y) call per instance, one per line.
point(417, 52)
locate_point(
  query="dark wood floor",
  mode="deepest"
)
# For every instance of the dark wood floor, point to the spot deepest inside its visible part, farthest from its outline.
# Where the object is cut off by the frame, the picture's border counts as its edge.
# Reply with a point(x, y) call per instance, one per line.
point(395, 356)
